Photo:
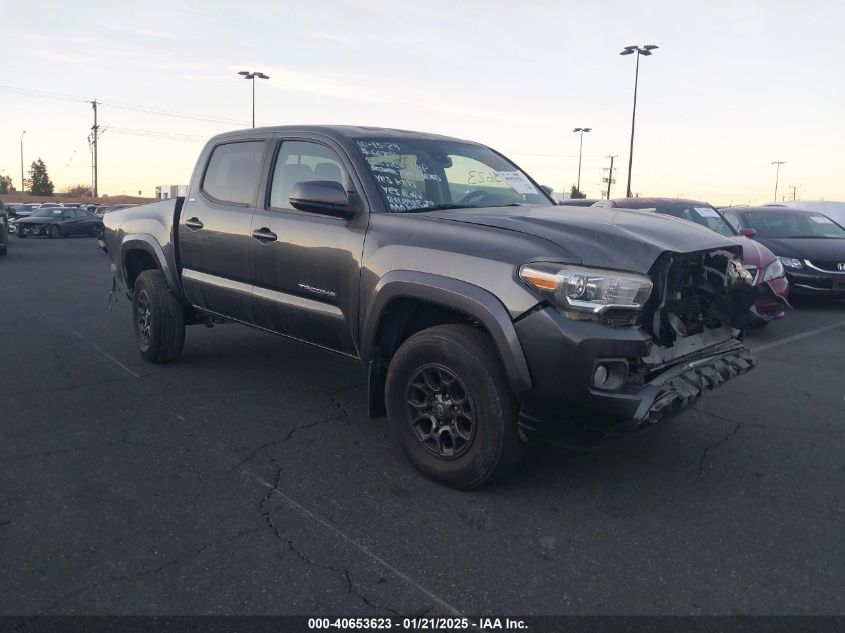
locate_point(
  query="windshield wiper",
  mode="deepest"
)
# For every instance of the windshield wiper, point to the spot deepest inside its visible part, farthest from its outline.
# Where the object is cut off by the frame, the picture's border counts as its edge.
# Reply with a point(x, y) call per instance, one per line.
point(440, 207)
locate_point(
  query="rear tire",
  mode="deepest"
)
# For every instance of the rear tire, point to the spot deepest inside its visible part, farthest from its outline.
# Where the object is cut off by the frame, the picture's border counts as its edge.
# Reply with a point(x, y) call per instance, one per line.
point(449, 376)
point(158, 317)
point(97, 231)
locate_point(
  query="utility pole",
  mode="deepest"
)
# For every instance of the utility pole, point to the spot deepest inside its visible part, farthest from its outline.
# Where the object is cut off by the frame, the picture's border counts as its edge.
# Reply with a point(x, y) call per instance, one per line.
point(23, 184)
point(793, 187)
point(610, 179)
point(777, 176)
point(95, 132)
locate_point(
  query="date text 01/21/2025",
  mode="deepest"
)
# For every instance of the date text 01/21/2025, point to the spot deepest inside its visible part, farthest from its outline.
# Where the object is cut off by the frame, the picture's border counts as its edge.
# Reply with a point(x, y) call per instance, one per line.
point(419, 624)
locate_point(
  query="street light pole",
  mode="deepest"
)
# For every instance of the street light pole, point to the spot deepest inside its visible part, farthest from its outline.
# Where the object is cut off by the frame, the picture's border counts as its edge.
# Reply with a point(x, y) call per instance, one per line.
point(23, 187)
point(252, 75)
point(777, 175)
point(580, 150)
point(639, 50)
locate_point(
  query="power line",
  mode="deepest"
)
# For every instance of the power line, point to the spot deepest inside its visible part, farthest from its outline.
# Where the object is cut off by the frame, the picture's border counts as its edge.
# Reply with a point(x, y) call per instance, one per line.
point(157, 134)
point(120, 105)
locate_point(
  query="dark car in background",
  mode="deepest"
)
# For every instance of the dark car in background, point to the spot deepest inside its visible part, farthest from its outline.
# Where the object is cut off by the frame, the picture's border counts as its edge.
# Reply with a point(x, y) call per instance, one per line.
point(578, 202)
point(59, 222)
point(757, 259)
point(4, 234)
point(810, 245)
point(22, 210)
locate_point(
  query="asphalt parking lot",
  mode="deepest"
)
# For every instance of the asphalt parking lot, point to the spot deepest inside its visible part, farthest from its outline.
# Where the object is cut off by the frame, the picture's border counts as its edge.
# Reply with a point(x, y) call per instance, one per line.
point(248, 479)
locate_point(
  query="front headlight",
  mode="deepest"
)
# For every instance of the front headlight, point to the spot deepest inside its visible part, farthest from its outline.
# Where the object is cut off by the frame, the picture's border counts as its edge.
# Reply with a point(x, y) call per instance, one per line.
point(589, 290)
point(773, 271)
point(791, 262)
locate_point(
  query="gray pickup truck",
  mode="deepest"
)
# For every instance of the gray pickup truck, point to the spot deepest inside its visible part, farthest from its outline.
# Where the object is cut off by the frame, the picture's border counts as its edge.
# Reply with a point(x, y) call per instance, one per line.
point(486, 314)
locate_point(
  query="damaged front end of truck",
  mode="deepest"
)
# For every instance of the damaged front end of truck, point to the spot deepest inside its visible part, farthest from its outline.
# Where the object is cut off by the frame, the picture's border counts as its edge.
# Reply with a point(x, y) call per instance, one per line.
point(624, 373)
point(699, 307)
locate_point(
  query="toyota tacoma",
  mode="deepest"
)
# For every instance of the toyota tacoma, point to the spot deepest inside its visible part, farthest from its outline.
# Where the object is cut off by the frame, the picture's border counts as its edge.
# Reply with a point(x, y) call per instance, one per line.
point(486, 314)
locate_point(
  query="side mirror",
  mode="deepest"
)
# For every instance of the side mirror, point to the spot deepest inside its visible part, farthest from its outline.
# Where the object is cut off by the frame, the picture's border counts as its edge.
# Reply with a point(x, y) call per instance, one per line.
point(321, 196)
point(549, 190)
point(749, 233)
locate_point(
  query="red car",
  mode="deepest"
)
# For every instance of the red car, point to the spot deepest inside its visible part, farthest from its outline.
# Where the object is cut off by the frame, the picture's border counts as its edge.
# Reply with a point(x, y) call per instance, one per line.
point(758, 259)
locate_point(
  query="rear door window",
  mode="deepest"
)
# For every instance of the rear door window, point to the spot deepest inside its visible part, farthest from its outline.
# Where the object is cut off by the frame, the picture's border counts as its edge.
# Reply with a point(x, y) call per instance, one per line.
point(233, 172)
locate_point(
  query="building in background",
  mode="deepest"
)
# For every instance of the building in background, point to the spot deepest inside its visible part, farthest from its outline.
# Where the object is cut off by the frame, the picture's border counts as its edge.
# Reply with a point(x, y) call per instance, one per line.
point(165, 192)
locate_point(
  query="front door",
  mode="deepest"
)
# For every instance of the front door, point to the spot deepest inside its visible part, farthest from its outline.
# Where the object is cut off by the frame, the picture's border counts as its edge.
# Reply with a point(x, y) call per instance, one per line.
point(214, 228)
point(70, 223)
point(307, 265)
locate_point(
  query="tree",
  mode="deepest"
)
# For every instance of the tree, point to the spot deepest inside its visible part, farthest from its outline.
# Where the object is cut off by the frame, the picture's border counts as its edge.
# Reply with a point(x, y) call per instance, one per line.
point(41, 183)
point(6, 184)
point(576, 193)
point(79, 191)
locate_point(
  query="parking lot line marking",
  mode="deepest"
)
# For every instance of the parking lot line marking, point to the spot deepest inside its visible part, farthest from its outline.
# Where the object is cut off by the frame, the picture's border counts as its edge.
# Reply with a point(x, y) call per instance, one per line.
point(797, 337)
point(362, 548)
point(105, 353)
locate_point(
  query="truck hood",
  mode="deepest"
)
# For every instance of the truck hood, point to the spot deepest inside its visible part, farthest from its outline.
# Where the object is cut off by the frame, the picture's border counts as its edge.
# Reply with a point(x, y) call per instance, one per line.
point(603, 237)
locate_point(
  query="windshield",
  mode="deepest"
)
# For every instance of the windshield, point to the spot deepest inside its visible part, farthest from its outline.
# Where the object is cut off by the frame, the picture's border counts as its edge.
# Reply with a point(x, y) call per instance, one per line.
point(48, 212)
point(782, 223)
point(703, 215)
point(424, 174)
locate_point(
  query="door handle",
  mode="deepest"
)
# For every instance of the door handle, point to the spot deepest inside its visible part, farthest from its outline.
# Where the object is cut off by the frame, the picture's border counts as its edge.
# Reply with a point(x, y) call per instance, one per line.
point(194, 224)
point(264, 235)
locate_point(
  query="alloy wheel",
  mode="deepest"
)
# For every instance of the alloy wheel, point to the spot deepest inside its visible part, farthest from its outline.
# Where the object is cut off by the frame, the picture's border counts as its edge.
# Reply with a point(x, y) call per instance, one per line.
point(440, 411)
point(144, 316)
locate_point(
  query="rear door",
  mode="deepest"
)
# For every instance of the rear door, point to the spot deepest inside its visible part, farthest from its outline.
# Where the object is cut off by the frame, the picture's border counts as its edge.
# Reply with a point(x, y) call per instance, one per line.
point(308, 265)
point(214, 227)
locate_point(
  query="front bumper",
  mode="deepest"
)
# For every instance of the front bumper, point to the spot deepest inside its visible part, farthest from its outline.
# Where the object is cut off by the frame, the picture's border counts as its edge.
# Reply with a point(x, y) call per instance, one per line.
point(563, 355)
point(33, 230)
point(770, 309)
point(809, 281)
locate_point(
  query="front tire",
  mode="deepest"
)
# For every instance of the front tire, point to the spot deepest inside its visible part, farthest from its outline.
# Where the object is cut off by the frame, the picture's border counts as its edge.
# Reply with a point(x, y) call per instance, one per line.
point(55, 232)
point(451, 408)
point(158, 317)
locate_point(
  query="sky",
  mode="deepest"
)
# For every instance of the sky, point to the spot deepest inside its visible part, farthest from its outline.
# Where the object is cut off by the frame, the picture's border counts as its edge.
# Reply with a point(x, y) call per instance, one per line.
point(733, 86)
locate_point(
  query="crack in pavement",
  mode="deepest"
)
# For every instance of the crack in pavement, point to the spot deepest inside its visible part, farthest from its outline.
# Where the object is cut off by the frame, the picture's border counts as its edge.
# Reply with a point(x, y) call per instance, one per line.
point(350, 585)
point(340, 414)
point(715, 445)
point(758, 425)
point(194, 553)
point(61, 451)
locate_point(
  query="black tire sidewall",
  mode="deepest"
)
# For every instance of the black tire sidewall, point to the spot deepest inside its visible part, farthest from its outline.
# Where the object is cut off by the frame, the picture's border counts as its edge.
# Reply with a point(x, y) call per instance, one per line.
point(493, 409)
point(167, 319)
point(54, 231)
point(149, 350)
